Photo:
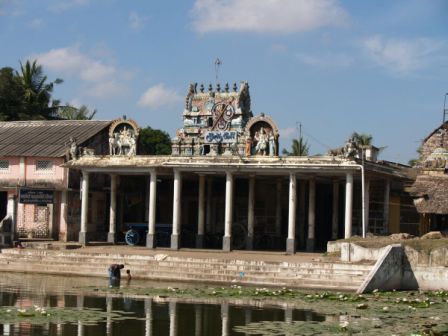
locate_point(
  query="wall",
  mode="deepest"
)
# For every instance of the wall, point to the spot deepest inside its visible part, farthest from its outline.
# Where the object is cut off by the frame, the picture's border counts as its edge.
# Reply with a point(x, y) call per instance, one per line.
point(400, 267)
point(10, 177)
point(433, 142)
point(55, 177)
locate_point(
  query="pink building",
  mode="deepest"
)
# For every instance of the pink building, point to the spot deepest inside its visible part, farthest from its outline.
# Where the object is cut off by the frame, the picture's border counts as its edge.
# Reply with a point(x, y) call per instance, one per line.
point(38, 197)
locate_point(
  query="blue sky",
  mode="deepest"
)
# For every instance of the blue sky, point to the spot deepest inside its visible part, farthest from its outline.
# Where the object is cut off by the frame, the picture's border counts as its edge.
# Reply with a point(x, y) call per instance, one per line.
point(378, 67)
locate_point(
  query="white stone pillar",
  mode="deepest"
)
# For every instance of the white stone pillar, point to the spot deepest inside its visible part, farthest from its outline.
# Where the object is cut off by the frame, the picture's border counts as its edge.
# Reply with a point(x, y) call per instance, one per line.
point(201, 212)
point(51, 228)
point(227, 239)
point(366, 203)
point(291, 240)
point(348, 205)
point(251, 214)
point(386, 206)
point(22, 171)
point(177, 198)
point(151, 235)
point(63, 218)
point(113, 208)
point(301, 214)
point(311, 215)
point(84, 207)
point(335, 211)
point(278, 208)
point(11, 211)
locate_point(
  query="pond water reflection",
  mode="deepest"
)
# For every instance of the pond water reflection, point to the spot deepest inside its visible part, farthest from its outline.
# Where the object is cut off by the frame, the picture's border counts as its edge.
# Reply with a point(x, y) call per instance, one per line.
point(122, 315)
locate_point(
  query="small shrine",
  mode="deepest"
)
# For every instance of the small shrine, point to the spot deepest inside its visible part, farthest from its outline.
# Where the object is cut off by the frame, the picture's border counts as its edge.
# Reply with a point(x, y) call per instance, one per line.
point(123, 136)
point(219, 122)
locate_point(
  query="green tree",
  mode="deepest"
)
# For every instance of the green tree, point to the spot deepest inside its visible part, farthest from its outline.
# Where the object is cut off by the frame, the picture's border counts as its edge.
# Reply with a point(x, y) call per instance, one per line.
point(69, 112)
point(11, 95)
point(37, 91)
point(362, 139)
point(299, 147)
point(154, 142)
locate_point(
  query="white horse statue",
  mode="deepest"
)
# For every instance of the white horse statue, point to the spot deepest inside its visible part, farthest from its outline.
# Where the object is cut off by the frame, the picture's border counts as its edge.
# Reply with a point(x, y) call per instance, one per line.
point(114, 145)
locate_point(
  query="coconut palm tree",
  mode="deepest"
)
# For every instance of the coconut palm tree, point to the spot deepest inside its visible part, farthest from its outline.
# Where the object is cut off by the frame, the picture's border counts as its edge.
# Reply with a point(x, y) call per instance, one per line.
point(299, 147)
point(362, 139)
point(37, 91)
point(69, 112)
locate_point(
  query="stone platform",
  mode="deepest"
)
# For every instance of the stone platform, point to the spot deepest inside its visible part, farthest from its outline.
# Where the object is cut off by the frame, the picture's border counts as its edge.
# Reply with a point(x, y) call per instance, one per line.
point(301, 270)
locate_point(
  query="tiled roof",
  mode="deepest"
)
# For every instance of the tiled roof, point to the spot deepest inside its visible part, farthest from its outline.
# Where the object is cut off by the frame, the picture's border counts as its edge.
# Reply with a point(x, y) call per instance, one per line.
point(45, 137)
point(430, 194)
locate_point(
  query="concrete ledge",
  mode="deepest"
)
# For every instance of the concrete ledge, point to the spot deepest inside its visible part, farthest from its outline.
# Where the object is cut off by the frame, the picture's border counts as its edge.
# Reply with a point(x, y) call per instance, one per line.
point(387, 272)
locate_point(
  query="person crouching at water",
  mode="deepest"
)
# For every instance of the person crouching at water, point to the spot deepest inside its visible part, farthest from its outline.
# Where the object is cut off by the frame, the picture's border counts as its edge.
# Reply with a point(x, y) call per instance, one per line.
point(115, 274)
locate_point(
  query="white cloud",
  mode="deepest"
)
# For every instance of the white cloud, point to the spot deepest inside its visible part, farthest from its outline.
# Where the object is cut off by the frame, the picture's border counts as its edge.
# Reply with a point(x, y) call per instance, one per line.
point(158, 96)
point(326, 60)
point(137, 22)
point(278, 16)
point(106, 89)
point(36, 23)
point(71, 60)
point(401, 55)
point(61, 6)
point(102, 79)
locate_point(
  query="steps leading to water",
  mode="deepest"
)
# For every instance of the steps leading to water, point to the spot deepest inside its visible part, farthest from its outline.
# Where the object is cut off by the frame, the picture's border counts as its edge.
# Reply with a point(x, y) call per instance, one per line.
point(306, 274)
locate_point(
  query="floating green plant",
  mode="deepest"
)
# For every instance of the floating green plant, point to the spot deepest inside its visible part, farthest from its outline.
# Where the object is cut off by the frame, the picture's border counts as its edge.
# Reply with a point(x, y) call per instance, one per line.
point(42, 315)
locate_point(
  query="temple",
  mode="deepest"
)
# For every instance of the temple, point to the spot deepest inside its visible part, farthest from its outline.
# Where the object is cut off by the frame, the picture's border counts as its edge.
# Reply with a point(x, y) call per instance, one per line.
point(225, 186)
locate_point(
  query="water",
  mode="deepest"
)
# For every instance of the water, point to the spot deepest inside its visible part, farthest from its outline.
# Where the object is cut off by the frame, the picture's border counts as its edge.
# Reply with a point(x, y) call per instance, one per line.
point(118, 315)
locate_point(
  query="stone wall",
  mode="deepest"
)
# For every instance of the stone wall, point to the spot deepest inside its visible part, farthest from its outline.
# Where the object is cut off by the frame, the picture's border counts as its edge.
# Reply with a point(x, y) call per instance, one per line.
point(433, 142)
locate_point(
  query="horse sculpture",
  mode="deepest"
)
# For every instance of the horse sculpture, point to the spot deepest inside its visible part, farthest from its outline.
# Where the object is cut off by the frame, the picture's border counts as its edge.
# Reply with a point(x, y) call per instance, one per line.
point(114, 145)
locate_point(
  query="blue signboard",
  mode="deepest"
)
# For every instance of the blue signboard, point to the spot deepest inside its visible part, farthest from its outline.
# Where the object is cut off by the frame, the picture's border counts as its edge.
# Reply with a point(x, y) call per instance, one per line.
point(220, 137)
point(36, 196)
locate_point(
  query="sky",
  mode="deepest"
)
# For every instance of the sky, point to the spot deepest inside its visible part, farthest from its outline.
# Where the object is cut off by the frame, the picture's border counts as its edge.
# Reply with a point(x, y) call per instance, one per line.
point(332, 67)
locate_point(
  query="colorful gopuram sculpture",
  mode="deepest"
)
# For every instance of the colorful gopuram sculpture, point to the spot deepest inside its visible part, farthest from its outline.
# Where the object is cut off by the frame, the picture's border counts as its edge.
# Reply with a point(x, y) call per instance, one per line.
point(219, 121)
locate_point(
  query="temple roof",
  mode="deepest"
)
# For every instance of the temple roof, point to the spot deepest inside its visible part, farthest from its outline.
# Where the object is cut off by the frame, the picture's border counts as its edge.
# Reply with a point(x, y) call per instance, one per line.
point(430, 194)
point(45, 138)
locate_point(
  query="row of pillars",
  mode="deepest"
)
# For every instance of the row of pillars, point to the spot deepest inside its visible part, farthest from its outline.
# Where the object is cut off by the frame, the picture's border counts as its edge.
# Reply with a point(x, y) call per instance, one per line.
point(228, 220)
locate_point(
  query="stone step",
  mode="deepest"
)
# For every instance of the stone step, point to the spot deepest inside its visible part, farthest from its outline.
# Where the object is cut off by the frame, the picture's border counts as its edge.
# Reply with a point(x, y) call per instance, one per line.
point(205, 278)
point(154, 272)
point(161, 266)
point(197, 263)
point(315, 274)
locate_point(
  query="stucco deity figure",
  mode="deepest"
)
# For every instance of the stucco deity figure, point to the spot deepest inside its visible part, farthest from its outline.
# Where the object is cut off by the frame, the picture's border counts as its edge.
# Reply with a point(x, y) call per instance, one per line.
point(350, 148)
point(272, 149)
point(248, 148)
point(262, 142)
point(132, 146)
point(73, 149)
point(124, 133)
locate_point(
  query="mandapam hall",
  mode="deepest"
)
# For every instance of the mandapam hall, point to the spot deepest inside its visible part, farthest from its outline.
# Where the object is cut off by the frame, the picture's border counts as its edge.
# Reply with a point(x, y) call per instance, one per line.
point(224, 186)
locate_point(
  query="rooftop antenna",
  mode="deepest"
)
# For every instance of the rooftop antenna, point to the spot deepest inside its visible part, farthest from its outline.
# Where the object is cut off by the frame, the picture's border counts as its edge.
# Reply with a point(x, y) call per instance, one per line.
point(445, 113)
point(218, 63)
point(299, 128)
point(445, 109)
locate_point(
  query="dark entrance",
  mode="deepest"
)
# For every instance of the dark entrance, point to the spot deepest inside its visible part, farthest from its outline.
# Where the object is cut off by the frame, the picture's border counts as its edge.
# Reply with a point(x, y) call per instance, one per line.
point(3, 204)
